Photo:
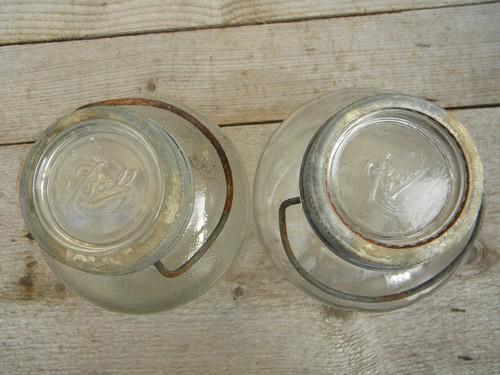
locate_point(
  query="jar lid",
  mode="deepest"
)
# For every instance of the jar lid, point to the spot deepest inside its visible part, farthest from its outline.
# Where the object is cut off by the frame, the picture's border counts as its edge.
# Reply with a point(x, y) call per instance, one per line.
point(106, 190)
point(386, 178)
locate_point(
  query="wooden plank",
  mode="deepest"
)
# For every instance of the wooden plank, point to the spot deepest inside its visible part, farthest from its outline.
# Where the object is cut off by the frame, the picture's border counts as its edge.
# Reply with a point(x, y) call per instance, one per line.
point(258, 73)
point(25, 21)
point(253, 321)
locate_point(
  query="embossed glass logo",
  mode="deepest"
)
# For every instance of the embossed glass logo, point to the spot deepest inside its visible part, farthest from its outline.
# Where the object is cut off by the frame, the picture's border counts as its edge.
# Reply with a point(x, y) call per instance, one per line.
point(389, 180)
point(100, 186)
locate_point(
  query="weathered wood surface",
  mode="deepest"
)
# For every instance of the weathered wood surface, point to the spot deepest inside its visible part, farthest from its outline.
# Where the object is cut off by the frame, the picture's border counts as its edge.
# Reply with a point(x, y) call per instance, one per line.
point(253, 321)
point(259, 73)
point(28, 21)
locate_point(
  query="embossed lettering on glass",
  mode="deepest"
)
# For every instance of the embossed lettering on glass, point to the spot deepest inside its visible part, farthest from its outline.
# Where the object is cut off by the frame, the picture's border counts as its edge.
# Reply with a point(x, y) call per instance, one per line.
point(139, 204)
point(374, 203)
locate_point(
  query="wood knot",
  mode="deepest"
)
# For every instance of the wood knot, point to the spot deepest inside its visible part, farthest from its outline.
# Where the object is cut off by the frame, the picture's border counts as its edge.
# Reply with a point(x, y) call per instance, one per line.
point(28, 280)
point(331, 312)
point(60, 288)
point(237, 293)
point(151, 85)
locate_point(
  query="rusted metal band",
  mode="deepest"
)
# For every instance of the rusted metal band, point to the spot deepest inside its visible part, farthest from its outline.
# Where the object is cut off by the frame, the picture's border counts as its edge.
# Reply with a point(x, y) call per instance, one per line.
point(223, 159)
point(436, 280)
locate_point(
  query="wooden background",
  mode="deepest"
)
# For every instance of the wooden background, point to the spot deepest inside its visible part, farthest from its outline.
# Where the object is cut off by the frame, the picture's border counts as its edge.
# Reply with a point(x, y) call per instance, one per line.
point(247, 65)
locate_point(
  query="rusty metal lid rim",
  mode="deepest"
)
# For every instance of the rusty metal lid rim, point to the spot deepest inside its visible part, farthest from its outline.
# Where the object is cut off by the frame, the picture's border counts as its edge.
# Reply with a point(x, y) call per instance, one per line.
point(151, 246)
point(359, 250)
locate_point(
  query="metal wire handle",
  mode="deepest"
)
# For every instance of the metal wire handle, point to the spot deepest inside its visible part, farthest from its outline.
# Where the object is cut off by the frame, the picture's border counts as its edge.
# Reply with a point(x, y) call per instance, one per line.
point(225, 166)
point(440, 277)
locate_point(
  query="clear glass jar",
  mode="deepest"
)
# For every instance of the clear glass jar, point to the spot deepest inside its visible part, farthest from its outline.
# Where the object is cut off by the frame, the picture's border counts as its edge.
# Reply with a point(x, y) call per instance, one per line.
point(368, 200)
point(138, 204)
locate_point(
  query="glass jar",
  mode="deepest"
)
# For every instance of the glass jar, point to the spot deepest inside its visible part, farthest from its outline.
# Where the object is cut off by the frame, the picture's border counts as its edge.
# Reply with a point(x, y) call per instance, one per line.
point(368, 200)
point(138, 204)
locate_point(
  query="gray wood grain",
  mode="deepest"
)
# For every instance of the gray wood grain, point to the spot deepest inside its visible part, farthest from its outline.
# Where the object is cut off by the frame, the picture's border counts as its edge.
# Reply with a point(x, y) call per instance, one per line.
point(28, 21)
point(258, 73)
point(253, 321)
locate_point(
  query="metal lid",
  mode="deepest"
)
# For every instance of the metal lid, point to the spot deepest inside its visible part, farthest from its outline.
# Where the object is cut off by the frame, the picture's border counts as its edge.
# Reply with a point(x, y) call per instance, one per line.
point(385, 179)
point(106, 190)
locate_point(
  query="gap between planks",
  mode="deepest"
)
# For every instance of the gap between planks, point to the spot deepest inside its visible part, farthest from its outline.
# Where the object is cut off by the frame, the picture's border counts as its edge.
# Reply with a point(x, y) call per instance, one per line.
point(243, 24)
point(271, 122)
